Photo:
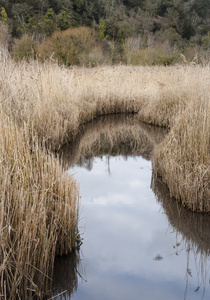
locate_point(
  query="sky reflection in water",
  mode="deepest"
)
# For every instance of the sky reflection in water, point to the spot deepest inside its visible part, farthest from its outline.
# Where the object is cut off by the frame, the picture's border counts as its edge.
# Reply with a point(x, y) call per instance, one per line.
point(125, 230)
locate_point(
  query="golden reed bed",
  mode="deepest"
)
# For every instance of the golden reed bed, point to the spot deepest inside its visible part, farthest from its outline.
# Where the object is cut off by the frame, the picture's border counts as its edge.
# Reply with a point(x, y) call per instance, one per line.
point(42, 106)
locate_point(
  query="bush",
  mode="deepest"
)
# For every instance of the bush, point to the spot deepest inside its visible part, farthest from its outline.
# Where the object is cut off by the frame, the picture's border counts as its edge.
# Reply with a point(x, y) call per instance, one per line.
point(206, 41)
point(72, 46)
point(24, 48)
point(156, 55)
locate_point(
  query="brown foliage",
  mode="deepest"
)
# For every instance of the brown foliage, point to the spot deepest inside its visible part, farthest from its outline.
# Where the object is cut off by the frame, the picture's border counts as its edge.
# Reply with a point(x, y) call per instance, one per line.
point(72, 46)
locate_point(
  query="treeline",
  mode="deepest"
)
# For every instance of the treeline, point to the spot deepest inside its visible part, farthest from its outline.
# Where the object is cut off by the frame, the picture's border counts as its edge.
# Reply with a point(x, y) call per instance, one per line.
point(128, 31)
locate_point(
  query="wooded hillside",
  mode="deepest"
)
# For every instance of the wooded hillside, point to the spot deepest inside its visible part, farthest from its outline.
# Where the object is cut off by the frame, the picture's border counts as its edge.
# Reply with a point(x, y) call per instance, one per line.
point(122, 25)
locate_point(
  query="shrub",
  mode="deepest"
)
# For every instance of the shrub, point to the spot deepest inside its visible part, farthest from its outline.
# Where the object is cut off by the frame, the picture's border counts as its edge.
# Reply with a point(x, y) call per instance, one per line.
point(156, 55)
point(206, 41)
point(70, 45)
point(24, 48)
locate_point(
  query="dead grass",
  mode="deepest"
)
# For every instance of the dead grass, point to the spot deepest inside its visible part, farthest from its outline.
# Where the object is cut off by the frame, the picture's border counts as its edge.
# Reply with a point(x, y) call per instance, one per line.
point(42, 106)
point(38, 213)
point(38, 206)
point(182, 159)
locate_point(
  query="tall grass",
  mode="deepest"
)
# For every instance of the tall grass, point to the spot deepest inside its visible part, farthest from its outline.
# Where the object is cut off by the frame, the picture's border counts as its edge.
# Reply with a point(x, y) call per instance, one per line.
point(182, 160)
point(42, 106)
point(38, 213)
point(38, 207)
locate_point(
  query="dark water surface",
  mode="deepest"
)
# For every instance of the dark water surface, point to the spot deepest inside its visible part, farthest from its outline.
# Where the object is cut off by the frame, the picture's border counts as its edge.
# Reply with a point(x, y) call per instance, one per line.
point(138, 243)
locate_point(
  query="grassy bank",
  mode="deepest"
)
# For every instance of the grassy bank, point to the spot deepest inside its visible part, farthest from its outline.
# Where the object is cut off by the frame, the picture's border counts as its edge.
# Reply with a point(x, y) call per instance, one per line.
point(182, 160)
point(38, 213)
point(38, 205)
point(42, 106)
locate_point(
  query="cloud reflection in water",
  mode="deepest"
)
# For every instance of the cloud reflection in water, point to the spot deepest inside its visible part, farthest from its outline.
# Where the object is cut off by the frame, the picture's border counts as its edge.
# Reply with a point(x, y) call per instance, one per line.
point(125, 227)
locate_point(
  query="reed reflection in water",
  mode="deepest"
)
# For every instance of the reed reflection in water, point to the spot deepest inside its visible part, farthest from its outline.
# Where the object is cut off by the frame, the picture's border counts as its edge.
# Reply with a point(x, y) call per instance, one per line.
point(138, 243)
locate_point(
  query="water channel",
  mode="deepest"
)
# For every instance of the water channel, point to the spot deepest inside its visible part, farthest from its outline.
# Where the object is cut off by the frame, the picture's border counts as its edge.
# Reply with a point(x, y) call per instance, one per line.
point(138, 243)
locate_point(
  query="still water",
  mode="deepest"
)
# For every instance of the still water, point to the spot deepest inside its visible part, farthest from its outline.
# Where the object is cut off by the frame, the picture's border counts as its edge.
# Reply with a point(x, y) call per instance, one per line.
point(138, 243)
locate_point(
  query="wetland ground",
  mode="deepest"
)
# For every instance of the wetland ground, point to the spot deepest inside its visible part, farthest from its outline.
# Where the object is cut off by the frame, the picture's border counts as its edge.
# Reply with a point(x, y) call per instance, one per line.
point(42, 108)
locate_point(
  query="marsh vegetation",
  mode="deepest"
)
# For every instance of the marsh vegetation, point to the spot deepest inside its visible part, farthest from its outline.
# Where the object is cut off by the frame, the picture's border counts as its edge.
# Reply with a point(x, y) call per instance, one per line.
point(154, 240)
point(42, 107)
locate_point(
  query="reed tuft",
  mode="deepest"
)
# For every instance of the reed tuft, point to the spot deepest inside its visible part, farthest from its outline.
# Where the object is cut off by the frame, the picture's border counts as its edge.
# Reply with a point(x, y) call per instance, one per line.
point(38, 213)
point(182, 159)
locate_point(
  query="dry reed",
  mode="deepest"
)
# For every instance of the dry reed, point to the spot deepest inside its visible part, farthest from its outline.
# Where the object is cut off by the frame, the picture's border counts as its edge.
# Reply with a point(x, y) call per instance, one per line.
point(42, 106)
point(182, 159)
point(38, 210)
point(38, 213)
